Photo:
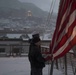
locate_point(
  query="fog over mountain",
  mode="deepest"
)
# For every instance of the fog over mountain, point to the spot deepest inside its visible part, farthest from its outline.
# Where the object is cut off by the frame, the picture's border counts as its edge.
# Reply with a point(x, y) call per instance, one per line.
point(44, 4)
point(14, 15)
point(21, 8)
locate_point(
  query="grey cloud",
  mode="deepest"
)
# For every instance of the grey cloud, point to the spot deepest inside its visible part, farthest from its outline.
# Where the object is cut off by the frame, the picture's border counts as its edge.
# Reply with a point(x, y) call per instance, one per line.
point(43, 4)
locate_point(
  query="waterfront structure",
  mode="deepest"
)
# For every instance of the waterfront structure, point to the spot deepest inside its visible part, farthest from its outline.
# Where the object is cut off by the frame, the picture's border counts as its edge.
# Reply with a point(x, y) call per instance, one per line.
point(16, 46)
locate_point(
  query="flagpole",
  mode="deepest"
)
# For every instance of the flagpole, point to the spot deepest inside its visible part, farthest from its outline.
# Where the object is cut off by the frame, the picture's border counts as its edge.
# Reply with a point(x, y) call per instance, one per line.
point(65, 59)
point(52, 65)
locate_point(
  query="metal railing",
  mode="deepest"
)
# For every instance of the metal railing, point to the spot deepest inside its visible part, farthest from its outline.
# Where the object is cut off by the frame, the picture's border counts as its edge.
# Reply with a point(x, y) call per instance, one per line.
point(14, 50)
point(66, 64)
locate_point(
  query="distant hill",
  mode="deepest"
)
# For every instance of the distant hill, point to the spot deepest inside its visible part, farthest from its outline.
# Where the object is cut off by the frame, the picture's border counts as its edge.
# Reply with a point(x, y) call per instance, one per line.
point(16, 7)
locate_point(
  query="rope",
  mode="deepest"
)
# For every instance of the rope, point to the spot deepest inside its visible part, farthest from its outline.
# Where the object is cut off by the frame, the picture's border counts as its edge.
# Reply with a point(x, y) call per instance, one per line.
point(50, 11)
point(49, 18)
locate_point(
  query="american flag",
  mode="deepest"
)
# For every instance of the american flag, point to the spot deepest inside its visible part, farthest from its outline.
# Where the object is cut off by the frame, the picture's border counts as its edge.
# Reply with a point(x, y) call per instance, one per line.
point(64, 37)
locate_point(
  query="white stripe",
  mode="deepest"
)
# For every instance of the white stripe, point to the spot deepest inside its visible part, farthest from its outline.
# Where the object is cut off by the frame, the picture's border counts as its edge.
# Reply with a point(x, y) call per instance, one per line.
point(65, 15)
point(71, 20)
point(63, 19)
point(66, 44)
point(67, 11)
point(74, 33)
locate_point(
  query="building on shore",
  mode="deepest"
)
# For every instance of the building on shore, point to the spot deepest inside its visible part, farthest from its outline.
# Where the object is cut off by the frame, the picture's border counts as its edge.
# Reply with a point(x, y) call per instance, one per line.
point(17, 45)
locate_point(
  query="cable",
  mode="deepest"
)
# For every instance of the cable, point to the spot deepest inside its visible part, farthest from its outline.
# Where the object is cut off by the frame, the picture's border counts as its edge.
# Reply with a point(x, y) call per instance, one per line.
point(50, 11)
point(49, 18)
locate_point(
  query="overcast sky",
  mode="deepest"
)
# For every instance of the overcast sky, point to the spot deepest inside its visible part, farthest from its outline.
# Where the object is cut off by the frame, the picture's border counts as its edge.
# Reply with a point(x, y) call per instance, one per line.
point(43, 4)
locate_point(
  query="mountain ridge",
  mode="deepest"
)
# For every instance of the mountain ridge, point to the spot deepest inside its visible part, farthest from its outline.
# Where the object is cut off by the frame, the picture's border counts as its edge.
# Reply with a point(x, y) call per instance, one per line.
point(6, 6)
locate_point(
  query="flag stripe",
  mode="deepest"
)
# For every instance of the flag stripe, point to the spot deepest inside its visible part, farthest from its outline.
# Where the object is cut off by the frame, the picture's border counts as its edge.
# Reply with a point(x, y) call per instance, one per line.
point(66, 44)
point(72, 14)
point(64, 37)
point(65, 11)
point(66, 4)
point(65, 33)
point(71, 26)
point(60, 14)
point(67, 48)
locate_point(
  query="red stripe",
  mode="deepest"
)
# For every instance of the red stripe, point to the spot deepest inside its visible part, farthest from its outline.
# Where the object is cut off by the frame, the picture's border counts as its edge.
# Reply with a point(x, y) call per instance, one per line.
point(71, 44)
point(60, 14)
point(63, 10)
point(57, 33)
point(67, 19)
point(63, 40)
point(65, 37)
